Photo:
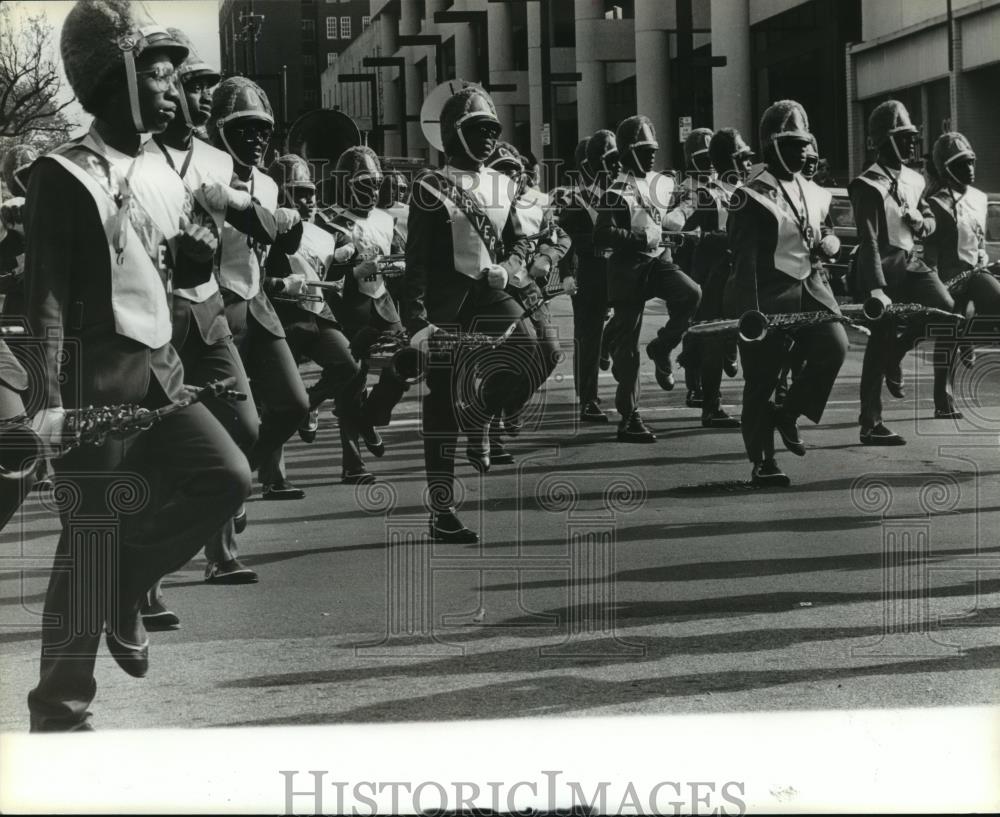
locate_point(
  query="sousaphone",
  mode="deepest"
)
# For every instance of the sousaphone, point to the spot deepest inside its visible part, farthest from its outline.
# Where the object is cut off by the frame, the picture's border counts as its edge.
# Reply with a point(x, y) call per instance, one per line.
point(320, 137)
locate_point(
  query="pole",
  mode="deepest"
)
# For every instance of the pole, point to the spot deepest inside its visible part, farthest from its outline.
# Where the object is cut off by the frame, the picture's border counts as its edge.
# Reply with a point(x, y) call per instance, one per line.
point(284, 96)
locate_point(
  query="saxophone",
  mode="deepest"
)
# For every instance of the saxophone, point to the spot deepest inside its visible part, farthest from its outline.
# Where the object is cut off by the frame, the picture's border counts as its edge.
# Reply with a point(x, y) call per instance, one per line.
point(22, 449)
point(958, 284)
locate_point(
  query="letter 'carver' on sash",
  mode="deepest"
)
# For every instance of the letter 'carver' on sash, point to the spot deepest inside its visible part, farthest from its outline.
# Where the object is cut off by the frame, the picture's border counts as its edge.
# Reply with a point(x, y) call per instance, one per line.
point(441, 185)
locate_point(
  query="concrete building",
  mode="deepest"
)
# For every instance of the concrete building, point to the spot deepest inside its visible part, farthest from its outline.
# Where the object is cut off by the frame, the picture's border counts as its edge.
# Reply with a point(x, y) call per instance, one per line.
point(285, 45)
point(944, 68)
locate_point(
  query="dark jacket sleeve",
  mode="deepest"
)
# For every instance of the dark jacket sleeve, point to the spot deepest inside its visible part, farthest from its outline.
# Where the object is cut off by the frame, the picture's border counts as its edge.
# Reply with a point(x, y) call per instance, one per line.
point(614, 225)
point(424, 222)
point(866, 204)
point(744, 226)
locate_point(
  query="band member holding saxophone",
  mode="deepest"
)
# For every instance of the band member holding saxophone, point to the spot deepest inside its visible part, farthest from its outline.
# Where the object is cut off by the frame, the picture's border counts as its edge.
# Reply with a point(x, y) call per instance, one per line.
point(891, 216)
point(241, 123)
point(201, 333)
point(630, 224)
point(462, 251)
point(774, 231)
point(312, 331)
point(106, 241)
point(958, 249)
point(585, 274)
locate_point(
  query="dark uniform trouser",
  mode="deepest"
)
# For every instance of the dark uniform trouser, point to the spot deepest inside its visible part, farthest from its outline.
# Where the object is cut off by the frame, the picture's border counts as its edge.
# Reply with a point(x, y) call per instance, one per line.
point(704, 357)
point(204, 363)
point(545, 352)
point(590, 304)
point(920, 285)
point(193, 479)
point(341, 380)
point(982, 290)
point(823, 347)
point(487, 382)
point(12, 492)
point(682, 296)
point(276, 384)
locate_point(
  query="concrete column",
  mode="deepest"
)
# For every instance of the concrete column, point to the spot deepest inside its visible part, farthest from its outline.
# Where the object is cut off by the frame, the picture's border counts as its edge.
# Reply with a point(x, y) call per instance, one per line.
point(652, 89)
point(535, 89)
point(409, 22)
point(465, 54)
point(732, 95)
point(500, 37)
point(414, 100)
point(592, 88)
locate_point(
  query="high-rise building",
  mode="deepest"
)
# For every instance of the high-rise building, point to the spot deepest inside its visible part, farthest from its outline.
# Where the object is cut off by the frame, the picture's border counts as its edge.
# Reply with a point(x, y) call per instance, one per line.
point(285, 45)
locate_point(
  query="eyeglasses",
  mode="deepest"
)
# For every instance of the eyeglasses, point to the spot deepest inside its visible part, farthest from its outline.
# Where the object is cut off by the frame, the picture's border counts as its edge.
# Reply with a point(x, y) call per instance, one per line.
point(164, 76)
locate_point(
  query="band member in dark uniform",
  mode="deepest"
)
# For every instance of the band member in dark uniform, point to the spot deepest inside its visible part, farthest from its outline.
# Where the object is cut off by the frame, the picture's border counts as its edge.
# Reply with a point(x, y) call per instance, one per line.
point(892, 216)
point(201, 332)
point(774, 232)
point(958, 249)
point(585, 274)
point(461, 253)
point(630, 223)
point(710, 267)
point(15, 166)
point(241, 123)
point(313, 332)
point(104, 244)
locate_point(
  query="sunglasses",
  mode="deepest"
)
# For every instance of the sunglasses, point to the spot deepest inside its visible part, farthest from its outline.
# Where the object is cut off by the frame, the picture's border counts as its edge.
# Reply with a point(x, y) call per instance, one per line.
point(253, 131)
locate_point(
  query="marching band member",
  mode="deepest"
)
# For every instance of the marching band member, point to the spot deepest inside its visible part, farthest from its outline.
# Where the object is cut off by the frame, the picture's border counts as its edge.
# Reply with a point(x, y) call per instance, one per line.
point(630, 223)
point(106, 240)
point(533, 217)
point(462, 251)
point(586, 278)
point(958, 249)
point(710, 266)
point(241, 123)
point(201, 332)
point(891, 216)
point(15, 167)
point(313, 332)
point(774, 230)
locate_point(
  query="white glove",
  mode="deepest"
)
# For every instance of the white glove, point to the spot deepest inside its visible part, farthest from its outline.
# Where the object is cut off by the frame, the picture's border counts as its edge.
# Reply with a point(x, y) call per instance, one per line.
point(569, 285)
point(885, 299)
point(286, 218)
point(366, 269)
point(48, 425)
point(914, 220)
point(652, 234)
point(982, 259)
point(496, 276)
point(541, 267)
point(420, 339)
point(829, 245)
point(295, 285)
point(343, 253)
point(219, 197)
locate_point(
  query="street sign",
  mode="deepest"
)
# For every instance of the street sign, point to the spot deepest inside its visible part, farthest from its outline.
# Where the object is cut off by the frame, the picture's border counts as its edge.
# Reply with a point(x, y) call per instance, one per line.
point(684, 127)
point(546, 134)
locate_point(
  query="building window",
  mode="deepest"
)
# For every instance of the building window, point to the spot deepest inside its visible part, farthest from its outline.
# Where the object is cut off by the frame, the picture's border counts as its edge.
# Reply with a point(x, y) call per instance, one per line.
point(331, 58)
point(309, 96)
point(366, 21)
point(345, 28)
point(308, 30)
point(309, 60)
point(331, 28)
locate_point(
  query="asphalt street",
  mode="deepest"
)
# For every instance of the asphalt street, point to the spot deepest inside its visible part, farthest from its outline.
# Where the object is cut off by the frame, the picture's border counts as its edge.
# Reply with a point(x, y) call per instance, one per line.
point(611, 579)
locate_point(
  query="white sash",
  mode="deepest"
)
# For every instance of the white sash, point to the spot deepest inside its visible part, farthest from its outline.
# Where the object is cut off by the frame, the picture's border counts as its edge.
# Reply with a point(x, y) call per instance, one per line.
point(972, 209)
point(376, 230)
point(239, 268)
point(313, 257)
point(792, 255)
point(138, 291)
point(909, 189)
point(643, 210)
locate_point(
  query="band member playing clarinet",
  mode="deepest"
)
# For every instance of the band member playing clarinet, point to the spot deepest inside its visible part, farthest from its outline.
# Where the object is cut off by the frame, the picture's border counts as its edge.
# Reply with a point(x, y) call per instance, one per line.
point(774, 231)
point(458, 266)
point(105, 247)
point(892, 216)
point(958, 249)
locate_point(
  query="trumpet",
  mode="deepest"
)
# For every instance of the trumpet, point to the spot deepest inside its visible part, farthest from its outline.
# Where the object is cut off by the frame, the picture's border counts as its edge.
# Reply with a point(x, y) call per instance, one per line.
point(22, 449)
point(673, 240)
point(389, 266)
point(752, 326)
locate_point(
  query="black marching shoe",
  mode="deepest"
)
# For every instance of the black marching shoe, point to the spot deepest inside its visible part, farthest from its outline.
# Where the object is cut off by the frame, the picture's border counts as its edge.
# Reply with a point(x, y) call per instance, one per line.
point(768, 474)
point(784, 424)
point(130, 648)
point(947, 411)
point(156, 617)
point(231, 571)
point(880, 435)
point(719, 419)
point(592, 413)
point(281, 491)
point(664, 369)
point(694, 399)
point(240, 520)
point(894, 381)
point(478, 452)
point(309, 427)
point(604, 362)
point(445, 526)
point(731, 368)
point(360, 477)
point(373, 440)
point(511, 424)
point(633, 430)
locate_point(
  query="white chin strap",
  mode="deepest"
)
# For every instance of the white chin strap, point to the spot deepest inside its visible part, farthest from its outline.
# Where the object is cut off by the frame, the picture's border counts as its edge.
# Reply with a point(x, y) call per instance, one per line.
point(465, 147)
point(229, 148)
point(895, 149)
point(956, 157)
point(184, 104)
point(133, 92)
point(777, 150)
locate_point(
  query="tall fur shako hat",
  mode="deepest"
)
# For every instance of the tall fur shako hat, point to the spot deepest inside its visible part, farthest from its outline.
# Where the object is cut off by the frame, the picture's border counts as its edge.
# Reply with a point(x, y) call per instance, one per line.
point(194, 66)
point(14, 167)
point(599, 147)
point(697, 143)
point(948, 148)
point(100, 38)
